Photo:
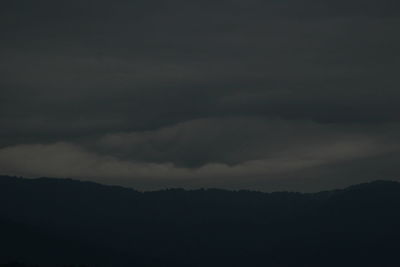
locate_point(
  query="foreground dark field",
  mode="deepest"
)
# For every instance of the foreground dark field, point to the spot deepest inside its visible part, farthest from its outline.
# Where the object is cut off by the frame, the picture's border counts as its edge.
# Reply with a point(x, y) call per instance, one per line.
point(62, 222)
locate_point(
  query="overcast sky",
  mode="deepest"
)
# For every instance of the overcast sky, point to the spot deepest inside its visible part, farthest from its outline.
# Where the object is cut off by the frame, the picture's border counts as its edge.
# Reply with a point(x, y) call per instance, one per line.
point(241, 94)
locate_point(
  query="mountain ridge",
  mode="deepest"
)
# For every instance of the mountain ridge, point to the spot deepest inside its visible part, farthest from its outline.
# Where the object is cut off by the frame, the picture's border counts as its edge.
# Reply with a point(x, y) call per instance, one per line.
point(62, 221)
point(3, 178)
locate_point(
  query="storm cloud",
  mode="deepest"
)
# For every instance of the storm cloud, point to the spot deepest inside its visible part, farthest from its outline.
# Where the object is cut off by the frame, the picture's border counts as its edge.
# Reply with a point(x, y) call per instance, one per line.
point(235, 94)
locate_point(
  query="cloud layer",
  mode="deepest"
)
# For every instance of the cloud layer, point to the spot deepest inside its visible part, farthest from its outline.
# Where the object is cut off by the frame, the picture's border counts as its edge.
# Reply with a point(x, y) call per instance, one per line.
point(238, 94)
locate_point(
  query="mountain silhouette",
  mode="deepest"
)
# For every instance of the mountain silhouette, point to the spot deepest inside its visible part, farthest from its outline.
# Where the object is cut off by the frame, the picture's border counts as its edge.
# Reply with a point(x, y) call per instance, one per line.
point(63, 222)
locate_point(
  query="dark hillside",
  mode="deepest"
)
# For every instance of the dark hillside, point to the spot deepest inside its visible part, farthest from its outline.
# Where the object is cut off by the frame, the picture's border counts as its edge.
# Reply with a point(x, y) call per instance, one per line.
point(61, 221)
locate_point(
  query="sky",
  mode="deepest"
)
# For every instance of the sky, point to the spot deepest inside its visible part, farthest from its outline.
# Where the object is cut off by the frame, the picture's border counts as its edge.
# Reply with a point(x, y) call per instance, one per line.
point(241, 94)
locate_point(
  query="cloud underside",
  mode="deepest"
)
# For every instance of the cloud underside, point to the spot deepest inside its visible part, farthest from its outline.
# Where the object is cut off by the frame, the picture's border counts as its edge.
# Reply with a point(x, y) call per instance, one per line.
point(251, 154)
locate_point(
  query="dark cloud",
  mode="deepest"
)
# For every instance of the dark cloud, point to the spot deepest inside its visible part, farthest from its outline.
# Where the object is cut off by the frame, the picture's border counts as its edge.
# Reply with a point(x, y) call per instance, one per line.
point(227, 141)
point(187, 84)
